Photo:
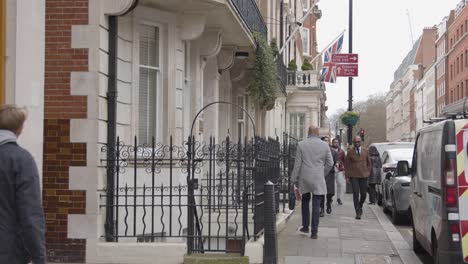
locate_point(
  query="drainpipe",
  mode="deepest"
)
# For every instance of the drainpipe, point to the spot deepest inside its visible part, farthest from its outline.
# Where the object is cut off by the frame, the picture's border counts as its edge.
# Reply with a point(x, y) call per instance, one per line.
point(112, 123)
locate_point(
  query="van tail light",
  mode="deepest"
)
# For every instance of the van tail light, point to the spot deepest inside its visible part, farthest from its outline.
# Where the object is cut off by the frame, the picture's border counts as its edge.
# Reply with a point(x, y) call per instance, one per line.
point(451, 195)
point(455, 231)
point(450, 165)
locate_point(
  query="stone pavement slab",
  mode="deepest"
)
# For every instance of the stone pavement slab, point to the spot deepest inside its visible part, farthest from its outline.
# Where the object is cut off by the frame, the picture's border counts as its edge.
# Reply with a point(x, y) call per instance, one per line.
point(341, 239)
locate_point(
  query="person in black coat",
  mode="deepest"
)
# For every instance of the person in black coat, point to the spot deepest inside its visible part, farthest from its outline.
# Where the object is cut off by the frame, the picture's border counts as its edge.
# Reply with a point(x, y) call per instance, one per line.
point(375, 176)
point(22, 224)
point(330, 181)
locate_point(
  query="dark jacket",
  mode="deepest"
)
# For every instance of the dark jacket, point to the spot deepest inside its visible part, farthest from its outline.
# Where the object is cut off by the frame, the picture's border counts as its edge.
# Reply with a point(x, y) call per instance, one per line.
point(376, 173)
point(21, 214)
point(340, 160)
point(357, 166)
point(330, 177)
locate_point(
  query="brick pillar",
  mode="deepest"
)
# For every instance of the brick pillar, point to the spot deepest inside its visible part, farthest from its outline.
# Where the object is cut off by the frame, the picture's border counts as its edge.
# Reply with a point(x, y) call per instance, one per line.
point(60, 107)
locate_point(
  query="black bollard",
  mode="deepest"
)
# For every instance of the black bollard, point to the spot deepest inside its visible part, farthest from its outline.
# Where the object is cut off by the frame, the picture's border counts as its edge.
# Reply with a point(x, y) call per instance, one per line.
point(270, 250)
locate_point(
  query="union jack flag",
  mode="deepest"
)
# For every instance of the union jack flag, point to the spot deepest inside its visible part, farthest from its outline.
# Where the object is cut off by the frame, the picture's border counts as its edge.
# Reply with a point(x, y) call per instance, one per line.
point(329, 68)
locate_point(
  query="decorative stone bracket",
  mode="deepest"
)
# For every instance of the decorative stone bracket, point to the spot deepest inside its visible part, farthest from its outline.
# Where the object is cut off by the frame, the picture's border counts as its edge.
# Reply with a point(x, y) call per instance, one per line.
point(210, 42)
point(191, 25)
point(116, 7)
point(226, 57)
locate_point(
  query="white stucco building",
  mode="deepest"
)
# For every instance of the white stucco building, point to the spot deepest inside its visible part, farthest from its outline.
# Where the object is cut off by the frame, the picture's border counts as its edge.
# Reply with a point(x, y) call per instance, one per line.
point(22, 25)
point(414, 77)
point(425, 99)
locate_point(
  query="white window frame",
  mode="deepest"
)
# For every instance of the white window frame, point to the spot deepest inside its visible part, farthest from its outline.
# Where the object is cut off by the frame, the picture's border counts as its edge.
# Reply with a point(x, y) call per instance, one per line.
point(297, 129)
point(160, 93)
point(305, 5)
point(306, 48)
point(241, 116)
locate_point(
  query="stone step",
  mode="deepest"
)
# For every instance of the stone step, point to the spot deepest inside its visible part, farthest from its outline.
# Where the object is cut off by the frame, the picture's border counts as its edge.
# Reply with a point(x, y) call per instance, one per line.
point(215, 259)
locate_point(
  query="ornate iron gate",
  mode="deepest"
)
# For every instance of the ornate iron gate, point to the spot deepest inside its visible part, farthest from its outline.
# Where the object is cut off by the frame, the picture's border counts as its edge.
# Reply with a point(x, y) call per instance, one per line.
point(207, 194)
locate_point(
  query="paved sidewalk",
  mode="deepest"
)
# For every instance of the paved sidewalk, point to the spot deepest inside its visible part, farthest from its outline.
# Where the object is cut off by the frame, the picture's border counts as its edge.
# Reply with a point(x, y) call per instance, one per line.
point(341, 239)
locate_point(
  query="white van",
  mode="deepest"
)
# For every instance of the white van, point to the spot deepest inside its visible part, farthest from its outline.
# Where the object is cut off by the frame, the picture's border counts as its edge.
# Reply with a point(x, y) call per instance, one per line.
point(439, 199)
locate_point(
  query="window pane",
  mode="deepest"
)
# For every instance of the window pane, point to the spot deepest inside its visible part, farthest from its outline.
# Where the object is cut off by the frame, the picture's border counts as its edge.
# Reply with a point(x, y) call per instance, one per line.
point(147, 105)
point(305, 40)
point(149, 46)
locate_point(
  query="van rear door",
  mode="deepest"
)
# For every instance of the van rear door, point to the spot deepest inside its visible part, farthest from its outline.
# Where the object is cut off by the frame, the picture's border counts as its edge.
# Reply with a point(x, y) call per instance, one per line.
point(461, 130)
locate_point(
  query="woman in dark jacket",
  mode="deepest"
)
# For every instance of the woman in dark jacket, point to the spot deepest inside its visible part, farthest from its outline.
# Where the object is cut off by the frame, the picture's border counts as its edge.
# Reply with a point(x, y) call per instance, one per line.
point(330, 181)
point(375, 175)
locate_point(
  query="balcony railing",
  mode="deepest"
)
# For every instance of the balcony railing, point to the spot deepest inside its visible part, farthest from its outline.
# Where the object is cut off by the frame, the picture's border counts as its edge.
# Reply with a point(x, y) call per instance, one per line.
point(303, 79)
point(251, 15)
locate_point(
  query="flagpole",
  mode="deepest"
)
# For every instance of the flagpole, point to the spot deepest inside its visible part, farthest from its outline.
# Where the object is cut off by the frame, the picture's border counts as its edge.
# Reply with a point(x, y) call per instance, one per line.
point(301, 22)
point(350, 79)
point(331, 43)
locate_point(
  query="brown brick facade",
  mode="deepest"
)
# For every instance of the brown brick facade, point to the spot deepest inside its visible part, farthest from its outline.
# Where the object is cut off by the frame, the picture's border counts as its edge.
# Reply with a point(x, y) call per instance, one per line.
point(458, 58)
point(60, 107)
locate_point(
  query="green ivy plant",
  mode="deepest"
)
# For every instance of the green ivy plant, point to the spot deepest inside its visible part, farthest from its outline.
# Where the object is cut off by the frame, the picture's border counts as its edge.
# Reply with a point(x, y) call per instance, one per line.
point(292, 66)
point(264, 86)
point(274, 46)
point(349, 118)
point(306, 66)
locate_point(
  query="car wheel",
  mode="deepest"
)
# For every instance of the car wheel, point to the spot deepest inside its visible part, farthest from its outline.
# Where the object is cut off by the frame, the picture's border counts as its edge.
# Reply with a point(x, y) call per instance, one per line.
point(396, 217)
point(435, 251)
point(385, 208)
point(417, 248)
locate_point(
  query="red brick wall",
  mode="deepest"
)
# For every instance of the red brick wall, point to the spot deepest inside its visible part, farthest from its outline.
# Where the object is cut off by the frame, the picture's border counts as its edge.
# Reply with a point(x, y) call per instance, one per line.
point(60, 107)
point(458, 58)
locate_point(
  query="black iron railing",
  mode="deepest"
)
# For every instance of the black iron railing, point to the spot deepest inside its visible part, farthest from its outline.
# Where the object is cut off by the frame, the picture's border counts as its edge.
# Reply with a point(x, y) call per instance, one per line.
point(282, 72)
point(223, 203)
point(251, 15)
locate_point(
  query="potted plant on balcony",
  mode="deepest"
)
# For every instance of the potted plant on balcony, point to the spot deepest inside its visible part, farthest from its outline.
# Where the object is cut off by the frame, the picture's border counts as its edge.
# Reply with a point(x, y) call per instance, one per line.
point(306, 66)
point(264, 85)
point(349, 118)
point(292, 66)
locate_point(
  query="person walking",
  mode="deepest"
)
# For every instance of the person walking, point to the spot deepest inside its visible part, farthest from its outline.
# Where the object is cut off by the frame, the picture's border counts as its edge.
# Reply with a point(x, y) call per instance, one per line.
point(339, 171)
point(313, 162)
point(330, 181)
point(22, 222)
point(375, 176)
point(357, 170)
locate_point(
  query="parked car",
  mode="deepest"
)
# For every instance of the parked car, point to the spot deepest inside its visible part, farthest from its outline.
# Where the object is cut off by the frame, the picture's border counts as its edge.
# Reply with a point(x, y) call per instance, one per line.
point(381, 148)
point(396, 187)
point(439, 202)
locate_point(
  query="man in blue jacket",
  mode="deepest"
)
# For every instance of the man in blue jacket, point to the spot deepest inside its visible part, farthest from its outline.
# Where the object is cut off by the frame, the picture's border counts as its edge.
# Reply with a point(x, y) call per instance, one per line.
point(22, 222)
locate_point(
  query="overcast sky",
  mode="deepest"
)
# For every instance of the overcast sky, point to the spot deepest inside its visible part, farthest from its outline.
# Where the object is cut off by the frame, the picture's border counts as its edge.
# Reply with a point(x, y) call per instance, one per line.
point(381, 37)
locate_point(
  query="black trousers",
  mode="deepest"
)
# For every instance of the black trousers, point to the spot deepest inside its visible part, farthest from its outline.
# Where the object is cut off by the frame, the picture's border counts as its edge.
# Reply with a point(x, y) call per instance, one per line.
point(359, 186)
point(372, 193)
point(316, 200)
point(329, 201)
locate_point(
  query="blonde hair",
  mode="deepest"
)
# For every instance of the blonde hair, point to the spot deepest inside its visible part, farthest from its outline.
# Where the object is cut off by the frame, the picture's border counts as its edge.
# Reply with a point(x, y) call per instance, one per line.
point(12, 117)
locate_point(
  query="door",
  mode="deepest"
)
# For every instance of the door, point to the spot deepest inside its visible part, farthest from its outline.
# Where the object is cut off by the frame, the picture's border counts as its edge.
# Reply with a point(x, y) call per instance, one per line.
point(461, 128)
point(417, 201)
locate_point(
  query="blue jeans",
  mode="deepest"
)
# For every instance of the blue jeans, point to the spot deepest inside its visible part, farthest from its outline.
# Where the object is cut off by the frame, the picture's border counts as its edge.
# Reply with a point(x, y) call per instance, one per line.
point(316, 201)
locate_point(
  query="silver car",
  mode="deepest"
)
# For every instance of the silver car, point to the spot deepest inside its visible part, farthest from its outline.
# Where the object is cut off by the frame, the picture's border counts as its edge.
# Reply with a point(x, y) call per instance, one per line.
point(396, 188)
point(381, 148)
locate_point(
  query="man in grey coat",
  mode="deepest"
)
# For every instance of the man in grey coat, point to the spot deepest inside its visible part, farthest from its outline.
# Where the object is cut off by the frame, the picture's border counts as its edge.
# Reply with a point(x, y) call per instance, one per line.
point(22, 238)
point(313, 162)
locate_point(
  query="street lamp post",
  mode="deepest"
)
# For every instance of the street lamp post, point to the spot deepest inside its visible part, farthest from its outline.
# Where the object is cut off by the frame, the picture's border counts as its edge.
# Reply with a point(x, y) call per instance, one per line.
point(350, 79)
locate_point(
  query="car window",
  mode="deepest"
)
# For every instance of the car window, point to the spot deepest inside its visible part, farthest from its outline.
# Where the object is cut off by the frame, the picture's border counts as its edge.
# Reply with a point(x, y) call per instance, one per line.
point(429, 152)
point(385, 158)
point(400, 154)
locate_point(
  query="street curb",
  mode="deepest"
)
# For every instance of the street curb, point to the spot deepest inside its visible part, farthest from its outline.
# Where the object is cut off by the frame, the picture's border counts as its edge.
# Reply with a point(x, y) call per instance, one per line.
point(405, 251)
